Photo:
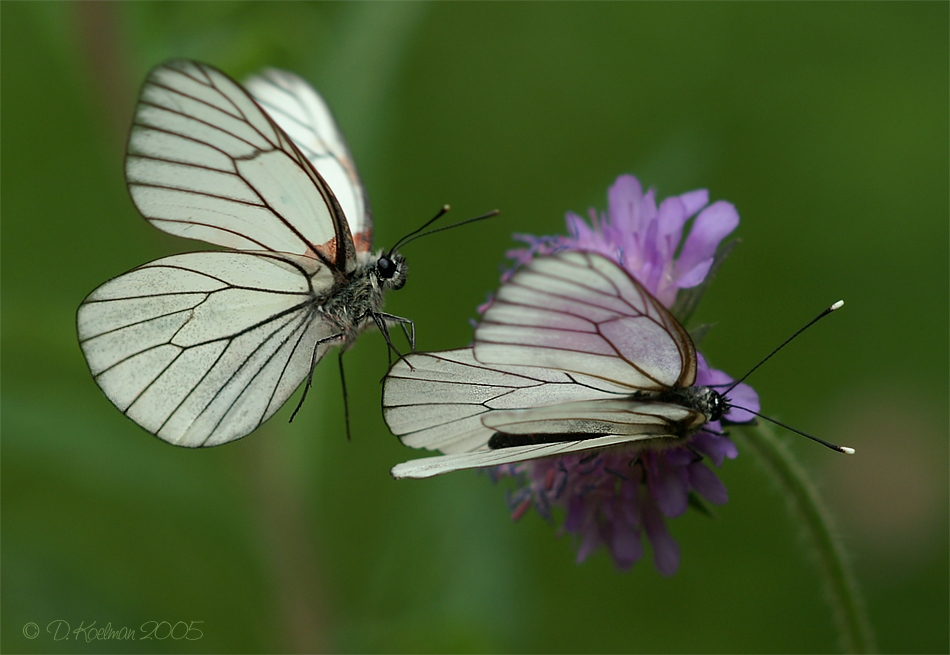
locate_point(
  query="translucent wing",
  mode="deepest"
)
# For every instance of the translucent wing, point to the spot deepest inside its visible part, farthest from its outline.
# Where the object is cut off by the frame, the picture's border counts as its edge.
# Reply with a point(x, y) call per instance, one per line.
point(300, 112)
point(430, 466)
point(581, 312)
point(443, 401)
point(615, 416)
point(202, 348)
point(450, 402)
point(204, 161)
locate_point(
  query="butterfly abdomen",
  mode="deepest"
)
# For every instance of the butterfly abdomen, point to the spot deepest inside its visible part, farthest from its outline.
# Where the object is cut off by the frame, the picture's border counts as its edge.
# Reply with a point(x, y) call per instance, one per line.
point(504, 440)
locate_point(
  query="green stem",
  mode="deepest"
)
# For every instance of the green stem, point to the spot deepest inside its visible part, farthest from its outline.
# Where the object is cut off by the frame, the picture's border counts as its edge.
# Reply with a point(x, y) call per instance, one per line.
point(840, 586)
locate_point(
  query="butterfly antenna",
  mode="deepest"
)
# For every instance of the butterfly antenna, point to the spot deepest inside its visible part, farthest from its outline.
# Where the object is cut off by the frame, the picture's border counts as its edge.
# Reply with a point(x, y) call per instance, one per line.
point(442, 212)
point(837, 305)
point(412, 236)
point(840, 449)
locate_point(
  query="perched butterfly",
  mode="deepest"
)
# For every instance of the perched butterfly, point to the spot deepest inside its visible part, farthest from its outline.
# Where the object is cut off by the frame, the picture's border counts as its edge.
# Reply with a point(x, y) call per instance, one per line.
point(573, 354)
point(201, 348)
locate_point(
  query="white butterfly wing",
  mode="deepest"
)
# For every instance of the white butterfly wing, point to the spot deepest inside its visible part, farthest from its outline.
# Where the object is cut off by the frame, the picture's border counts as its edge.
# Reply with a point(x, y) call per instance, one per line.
point(583, 313)
point(202, 348)
point(300, 112)
point(441, 401)
point(431, 466)
point(205, 162)
point(612, 416)
point(449, 402)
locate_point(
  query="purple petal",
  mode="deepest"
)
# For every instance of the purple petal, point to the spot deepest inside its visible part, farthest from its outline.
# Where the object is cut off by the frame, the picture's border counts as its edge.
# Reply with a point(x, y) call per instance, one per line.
point(670, 220)
point(690, 278)
point(624, 200)
point(629, 506)
point(744, 396)
point(707, 376)
point(648, 207)
point(679, 456)
point(709, 229)
point(714, 447)
point(575, 515)
point(668, 486)
point(707, 484)
point(578, 228)
point(654, 261)
point(666, 552)
point(625, 544)
point(590, 540)
point(693, 201)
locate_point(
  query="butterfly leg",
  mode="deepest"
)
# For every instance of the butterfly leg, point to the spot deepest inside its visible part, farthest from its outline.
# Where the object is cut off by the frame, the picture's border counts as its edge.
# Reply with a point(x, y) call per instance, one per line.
point(346, 403)
point(697, 456)
point(313, 365)
point(616, 473)
point(636, 467)
point(381, 318)
point(409, 331)
point(381, 324)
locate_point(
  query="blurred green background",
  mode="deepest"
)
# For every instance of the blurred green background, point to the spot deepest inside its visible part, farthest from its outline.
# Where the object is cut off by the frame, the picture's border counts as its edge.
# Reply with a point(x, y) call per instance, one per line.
point(825, 124)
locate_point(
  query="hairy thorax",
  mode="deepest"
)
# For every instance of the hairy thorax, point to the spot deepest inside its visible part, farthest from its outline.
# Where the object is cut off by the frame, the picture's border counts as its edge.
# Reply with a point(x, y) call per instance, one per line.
point(351, 305)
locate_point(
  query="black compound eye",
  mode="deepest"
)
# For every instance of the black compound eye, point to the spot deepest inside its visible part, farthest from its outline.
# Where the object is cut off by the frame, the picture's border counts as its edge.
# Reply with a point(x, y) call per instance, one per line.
point(386, 267)
point(719, 407)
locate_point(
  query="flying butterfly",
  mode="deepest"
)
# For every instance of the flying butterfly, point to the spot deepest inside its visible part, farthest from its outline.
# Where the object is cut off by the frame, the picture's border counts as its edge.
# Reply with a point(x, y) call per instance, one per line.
point(572, 355)
point(201, 348)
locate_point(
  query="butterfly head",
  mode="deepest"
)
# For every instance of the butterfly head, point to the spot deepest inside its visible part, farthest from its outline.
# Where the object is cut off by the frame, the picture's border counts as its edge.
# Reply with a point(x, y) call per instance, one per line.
point(391, 270)
point(706, 400)
point(714, 404)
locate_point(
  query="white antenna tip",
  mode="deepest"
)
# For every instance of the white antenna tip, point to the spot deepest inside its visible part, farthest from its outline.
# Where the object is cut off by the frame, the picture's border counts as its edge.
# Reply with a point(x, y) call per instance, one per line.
point(846, 450)
point(837, 305)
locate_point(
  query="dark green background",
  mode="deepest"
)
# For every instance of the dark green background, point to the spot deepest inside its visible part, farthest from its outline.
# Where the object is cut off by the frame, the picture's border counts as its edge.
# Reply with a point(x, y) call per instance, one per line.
point(825, 124)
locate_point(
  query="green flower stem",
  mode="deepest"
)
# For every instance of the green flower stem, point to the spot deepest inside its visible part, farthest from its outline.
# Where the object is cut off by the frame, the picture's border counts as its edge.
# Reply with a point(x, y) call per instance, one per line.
point(840, 586)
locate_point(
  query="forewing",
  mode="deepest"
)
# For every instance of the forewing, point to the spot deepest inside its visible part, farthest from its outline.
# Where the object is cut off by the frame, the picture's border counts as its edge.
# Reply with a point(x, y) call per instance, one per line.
point(201, 348)
point(440, 401)
point(581, 312)
point(204, 161)
point(303, 115)
point(430, 466)
point(613, 416)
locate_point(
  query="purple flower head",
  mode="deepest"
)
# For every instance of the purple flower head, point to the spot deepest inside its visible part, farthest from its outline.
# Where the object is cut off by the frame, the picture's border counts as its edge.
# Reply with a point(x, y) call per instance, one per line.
point(613, 497)
point(644, 238)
